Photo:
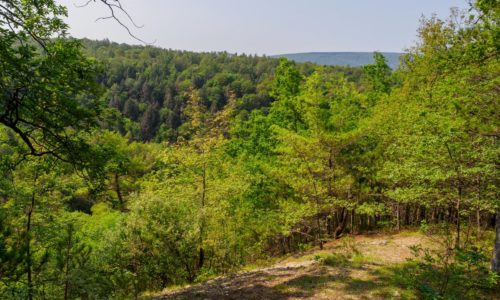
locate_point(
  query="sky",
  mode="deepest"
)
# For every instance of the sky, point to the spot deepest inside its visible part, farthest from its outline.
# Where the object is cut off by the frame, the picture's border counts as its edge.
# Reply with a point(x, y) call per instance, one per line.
point(263, 26)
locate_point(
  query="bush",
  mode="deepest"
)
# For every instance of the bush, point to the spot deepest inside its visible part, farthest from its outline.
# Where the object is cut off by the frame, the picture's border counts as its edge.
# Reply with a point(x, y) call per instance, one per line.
point(452, 274)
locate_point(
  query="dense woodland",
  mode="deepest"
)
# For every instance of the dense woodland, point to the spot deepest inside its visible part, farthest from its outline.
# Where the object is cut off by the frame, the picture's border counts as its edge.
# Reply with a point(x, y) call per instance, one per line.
point(128, 169)
point(151, 87)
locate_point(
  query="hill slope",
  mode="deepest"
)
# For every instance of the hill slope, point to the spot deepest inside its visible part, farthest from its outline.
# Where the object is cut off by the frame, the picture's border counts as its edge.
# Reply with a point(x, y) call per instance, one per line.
point(353, 59)
point(320, 274)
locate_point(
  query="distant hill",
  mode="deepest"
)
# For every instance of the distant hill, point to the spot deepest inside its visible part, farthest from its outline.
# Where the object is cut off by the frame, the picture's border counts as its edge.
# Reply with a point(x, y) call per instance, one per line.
point(353, 59)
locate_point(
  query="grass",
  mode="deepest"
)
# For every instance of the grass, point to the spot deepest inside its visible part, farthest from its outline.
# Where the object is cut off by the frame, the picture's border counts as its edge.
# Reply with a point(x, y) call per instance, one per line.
point(335, 260)
point(356, 260)
point(260, 263)
point(409, 233)
point(317, 256)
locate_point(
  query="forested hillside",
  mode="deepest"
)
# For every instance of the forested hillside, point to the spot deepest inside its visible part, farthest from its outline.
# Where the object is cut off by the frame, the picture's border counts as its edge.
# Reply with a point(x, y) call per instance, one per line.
point(130, 169)
point(353, 59)
point(151, 87)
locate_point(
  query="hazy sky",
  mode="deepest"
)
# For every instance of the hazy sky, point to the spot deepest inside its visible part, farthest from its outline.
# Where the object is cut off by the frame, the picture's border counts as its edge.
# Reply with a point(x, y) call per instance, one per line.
point(264, 26)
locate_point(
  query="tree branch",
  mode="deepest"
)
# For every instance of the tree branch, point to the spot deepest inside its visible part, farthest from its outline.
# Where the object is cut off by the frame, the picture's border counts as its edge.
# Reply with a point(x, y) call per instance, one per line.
point(115, 7)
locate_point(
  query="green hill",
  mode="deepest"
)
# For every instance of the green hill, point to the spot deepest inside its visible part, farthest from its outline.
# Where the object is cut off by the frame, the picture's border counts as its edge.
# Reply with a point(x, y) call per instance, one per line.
point(353, 59)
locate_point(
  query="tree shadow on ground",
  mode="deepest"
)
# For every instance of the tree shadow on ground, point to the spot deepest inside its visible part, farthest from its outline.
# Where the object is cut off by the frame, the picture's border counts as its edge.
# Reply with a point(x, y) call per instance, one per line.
point(249, 285)
point(349, 280)
point(331, 282)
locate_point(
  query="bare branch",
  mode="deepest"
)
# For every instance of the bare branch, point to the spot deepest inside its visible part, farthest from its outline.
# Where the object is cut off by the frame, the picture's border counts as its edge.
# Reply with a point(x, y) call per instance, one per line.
point(83, 5)
point(115, 7)
point(120, 7)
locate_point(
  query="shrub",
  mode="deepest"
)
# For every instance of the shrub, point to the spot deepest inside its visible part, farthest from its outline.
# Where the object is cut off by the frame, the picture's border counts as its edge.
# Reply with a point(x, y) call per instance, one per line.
point(449, 274)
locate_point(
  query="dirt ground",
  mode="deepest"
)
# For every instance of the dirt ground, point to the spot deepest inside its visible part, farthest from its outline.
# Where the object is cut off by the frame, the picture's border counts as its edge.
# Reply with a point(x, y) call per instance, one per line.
point(305, 277)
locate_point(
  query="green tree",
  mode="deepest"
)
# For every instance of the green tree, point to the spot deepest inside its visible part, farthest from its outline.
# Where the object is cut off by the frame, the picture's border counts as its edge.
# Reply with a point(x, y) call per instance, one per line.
point(49, 92)
point(378, 74)
point(286, 110)
point(312, 161)
point(441, 124)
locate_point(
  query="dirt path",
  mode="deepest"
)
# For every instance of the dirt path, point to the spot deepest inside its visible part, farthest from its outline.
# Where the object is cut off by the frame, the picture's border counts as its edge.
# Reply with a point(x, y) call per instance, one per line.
point(367, 275)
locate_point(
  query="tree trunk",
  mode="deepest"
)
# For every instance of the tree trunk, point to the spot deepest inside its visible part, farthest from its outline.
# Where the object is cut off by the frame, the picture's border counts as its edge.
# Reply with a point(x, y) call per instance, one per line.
point(202, 223)
point(457, 242)
point(318, 225)
point(449, 214)
point(341, 223)
point(407, 215)
point(29, 262)
point(423, 214)
point(119, 192)
point(398, 226)
point(495, 265)
point(352, 221)
point(416, 219)
point(478, 221)
point(29, 259)
point(67, 263)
